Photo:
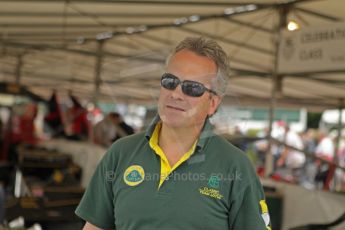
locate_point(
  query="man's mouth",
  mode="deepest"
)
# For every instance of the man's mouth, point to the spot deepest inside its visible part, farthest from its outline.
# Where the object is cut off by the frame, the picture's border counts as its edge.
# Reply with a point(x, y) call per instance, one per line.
point(175, 108)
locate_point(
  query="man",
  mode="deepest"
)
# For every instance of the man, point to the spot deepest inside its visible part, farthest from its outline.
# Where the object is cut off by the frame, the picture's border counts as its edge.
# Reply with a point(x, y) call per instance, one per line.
point(105, 131)
point(54, 117)
point(111, 128)
point(203, 181)
point(122, 128)
point(293, 160)
point(324, 150)
point(76, 119)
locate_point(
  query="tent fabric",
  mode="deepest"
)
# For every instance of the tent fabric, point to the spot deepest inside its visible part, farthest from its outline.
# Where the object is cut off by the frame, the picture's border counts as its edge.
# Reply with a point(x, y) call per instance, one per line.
point(115, 51)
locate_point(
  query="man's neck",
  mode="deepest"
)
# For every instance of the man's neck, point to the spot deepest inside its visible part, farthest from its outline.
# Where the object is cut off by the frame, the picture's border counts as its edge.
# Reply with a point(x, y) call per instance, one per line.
point(175, 142)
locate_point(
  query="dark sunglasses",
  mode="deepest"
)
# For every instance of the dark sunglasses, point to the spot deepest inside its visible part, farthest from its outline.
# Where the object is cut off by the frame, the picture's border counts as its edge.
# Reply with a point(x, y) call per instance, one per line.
point(190, 88)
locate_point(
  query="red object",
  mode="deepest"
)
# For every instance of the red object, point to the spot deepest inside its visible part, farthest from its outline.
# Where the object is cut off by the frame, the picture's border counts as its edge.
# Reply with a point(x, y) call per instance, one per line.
point(260, 171)
point(79, 121)
point(281, 123)
point(330, 175)
point(23, 128)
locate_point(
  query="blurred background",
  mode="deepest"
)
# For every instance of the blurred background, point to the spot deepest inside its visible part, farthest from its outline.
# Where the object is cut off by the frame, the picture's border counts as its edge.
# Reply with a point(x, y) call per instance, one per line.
point(77, 75)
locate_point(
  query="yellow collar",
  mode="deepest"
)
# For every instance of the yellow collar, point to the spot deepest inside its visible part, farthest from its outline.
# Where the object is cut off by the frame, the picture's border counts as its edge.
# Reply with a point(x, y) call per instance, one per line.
point(166, 168)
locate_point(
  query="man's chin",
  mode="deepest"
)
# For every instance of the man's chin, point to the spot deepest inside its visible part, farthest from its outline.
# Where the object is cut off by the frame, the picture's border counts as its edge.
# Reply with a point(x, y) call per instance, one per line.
point(173, 123)
point(181, 124)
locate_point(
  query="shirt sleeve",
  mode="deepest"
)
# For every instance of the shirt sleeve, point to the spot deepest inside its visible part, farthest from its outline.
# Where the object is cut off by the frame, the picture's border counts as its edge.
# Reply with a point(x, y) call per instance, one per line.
point(248, 210)
point(96, 206)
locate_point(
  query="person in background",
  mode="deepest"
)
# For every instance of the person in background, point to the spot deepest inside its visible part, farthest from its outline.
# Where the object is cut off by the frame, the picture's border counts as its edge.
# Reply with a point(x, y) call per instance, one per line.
point(325, 151)
point(105, 131)
point(23, 127)
point(122, 128)
point(203, 182)
point(341, 158)
point(76, 119)
point(54, 117)
point(110, 129)
point(293, 159)
point(325, 147)
point(309, 138)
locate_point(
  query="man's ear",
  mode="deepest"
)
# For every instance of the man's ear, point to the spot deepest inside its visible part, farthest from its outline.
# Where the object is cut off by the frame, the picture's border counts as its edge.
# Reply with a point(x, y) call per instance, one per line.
point(215, 101)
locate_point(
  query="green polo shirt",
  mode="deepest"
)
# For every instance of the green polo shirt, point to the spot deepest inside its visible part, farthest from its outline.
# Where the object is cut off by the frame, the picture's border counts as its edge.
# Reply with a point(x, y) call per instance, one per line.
point(215, 188)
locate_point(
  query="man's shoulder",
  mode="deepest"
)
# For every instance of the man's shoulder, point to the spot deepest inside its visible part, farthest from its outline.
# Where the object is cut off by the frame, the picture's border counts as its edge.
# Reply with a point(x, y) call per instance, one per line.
point(130, 140)
point(125, 147)
point(225, 150)
point(227, 158)
point(224, 146)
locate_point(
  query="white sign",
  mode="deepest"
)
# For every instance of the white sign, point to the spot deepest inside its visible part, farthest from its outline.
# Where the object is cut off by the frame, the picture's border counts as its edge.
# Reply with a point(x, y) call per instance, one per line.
point(313, 49)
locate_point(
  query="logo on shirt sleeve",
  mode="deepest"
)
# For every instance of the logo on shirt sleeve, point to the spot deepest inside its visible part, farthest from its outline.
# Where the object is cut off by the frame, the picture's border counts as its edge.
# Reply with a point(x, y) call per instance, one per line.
point(264, 214)
point(134, 175)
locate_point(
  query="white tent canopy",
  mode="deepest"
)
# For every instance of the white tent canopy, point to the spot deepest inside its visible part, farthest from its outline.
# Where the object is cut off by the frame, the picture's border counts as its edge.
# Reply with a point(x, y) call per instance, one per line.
point(115, 50)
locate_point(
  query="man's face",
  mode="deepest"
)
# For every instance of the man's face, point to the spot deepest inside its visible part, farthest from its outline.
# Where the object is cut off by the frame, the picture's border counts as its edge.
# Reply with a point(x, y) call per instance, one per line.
point(178, 110)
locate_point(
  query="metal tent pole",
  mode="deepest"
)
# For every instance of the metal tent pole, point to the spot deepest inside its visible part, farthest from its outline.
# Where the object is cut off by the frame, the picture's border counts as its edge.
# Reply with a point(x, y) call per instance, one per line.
point(340, 122)
point(337, 140)
point(276, 87)
point(98, 70)
point(19, 68)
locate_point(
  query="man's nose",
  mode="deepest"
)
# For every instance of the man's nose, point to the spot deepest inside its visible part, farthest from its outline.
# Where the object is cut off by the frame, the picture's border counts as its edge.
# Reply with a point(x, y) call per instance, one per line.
point(177, 93)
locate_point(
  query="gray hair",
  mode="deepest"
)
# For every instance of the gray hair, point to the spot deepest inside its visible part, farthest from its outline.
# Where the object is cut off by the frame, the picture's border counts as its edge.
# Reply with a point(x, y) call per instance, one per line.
point(211, 49)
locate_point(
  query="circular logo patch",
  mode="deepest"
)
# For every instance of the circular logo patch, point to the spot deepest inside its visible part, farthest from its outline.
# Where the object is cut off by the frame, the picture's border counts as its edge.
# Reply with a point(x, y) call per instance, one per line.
point(134, 175)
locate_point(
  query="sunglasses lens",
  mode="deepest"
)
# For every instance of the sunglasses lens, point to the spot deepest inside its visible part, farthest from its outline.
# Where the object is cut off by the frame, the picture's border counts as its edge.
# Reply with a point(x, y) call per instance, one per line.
point(190, 88)
point(169, 82)
point(193, 89)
